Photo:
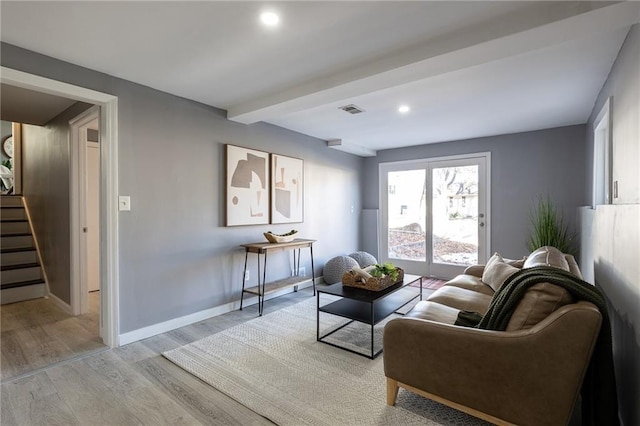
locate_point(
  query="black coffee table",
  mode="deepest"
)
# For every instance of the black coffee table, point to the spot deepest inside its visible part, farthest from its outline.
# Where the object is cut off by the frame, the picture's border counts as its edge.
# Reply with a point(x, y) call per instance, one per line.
point(365, 306)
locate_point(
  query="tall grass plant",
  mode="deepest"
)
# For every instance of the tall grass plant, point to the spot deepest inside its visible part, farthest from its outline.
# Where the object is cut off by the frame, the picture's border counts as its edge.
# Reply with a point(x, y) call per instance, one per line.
point(549, 228)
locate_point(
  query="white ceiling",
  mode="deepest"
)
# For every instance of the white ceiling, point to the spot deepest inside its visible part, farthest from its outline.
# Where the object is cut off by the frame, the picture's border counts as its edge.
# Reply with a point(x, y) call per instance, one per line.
point(467, 69)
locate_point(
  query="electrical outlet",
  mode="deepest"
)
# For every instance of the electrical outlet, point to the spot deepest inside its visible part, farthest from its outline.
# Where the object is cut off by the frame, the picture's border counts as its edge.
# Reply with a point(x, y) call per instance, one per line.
point(246, 275)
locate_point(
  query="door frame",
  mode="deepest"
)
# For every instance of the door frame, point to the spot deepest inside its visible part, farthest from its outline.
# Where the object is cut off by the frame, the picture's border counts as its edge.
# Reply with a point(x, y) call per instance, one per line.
point(109, 264)
point(426, 163)
point(78, 204)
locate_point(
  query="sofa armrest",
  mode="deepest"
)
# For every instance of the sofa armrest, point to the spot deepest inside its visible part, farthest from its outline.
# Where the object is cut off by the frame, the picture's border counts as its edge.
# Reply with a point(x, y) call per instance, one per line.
point(508, 375)
point(475, 270)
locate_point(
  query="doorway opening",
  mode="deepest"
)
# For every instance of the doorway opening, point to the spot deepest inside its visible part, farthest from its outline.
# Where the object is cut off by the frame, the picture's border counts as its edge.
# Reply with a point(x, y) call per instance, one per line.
point(108, 112)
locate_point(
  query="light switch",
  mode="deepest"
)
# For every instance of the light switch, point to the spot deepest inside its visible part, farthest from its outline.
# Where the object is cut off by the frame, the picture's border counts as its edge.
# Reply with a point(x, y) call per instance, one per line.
point(124, 203)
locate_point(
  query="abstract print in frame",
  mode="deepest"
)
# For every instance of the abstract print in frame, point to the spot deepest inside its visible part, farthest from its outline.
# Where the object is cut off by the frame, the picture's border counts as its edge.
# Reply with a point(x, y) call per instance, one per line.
point(247, 186)
point(287, 189)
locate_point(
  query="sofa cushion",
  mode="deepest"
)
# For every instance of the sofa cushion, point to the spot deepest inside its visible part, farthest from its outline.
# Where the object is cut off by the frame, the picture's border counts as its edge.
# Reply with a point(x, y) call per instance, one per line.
point(470, 282)
point(462, 299)
point(547, 256)
point(543, 298)
point(539, 302)
point(495, 274)
point(434, 312)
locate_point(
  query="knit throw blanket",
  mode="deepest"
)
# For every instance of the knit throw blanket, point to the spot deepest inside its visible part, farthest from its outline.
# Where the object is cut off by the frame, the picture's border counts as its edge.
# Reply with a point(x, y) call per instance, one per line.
point(599, 396)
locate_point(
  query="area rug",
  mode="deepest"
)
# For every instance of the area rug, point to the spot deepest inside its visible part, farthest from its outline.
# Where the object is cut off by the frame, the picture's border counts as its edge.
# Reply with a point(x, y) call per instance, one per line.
point(432, 283)
point(274, 366)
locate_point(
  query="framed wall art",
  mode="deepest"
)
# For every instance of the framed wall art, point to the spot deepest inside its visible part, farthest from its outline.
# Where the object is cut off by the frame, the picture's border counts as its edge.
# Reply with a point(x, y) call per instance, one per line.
point(287, 189)
point(247, 186)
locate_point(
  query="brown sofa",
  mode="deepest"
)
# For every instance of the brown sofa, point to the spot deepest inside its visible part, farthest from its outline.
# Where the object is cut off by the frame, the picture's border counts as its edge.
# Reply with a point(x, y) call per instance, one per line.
point(529, 374)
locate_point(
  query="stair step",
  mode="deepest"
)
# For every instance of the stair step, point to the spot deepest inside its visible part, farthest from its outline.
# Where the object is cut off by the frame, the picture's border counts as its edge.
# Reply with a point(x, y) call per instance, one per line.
point(16, 241)
point(27, 273)
point(22, 284)
point(27, 291)
point(10, 200)
point(10, 213)
point(4, 250)
point(20, 233)
point(20, 256)
point(19, 266)
point(14, 226)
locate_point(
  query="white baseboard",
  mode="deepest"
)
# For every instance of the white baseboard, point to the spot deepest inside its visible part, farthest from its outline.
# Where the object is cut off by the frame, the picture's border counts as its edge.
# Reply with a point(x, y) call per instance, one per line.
point(61, 304)
point(163, 327)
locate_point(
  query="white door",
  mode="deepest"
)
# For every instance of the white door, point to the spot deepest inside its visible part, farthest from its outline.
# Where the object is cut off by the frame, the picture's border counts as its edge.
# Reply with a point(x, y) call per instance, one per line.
point(435, 214)
point(93, 216)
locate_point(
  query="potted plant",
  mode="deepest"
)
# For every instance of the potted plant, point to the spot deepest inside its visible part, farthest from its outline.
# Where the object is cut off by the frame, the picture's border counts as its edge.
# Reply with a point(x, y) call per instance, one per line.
point(549, 228)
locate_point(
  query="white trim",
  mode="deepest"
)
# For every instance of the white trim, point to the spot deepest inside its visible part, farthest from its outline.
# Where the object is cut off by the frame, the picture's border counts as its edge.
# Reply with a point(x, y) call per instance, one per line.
point(163, 327)
point(603, 122)
point(77, 207)
point(109, 320)
point(60, 303)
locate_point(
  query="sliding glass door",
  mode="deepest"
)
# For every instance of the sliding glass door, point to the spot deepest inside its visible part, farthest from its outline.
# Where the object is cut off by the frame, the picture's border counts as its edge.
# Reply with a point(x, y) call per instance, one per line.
point(434, 214)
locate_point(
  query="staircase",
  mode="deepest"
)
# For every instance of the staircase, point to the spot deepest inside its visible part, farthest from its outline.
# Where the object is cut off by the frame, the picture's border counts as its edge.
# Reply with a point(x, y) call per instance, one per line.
point(21, 274)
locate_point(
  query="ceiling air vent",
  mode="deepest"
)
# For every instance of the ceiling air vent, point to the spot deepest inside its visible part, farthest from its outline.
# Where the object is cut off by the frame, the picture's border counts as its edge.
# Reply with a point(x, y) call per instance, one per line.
point(351, 109)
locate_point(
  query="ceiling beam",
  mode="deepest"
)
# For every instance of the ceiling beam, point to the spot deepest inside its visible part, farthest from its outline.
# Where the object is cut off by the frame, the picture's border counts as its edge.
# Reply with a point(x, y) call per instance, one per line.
point(514, 35)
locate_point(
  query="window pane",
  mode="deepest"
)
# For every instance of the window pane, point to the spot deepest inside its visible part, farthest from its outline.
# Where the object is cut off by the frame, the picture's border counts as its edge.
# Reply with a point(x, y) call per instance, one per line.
point(455, 215)
point(407, 198)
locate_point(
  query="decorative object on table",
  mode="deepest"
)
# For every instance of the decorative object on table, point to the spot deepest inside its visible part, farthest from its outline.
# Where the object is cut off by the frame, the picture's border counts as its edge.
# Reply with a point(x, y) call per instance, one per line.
point(281, 238)
point(363, 258)
point(336, 267)
point(375, 277)
point(287, 189)
point(247, 186)
point(549, 228)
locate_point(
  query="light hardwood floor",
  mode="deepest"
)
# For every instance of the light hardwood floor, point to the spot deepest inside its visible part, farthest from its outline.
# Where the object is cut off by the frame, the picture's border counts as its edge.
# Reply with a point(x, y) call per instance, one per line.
point(133, 384)
point(37, 333)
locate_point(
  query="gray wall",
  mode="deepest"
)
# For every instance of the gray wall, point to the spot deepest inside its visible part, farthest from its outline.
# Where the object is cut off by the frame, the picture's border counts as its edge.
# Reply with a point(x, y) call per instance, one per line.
point(45, 172)
point(524, 166)
point(176, 257)
point(616, 228)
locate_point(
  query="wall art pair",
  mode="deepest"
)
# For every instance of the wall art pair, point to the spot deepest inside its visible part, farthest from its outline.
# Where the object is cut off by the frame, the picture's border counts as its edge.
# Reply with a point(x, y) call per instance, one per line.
point(263, 188)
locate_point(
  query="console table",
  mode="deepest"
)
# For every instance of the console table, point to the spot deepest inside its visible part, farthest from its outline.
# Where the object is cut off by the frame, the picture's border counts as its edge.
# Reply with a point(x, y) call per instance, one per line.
point(263, 288)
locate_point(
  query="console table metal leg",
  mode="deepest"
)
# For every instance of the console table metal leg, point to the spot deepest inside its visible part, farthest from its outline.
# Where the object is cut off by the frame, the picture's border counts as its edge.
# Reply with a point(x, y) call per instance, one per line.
point(264, 283)
point(296, 266)
point(244, 274)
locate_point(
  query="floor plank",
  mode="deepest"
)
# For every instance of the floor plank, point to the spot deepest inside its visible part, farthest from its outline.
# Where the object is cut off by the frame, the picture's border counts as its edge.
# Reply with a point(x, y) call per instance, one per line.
point(90, 399)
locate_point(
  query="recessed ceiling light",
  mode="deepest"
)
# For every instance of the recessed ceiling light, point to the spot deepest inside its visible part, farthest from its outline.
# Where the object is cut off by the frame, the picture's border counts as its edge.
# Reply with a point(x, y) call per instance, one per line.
point(270, 19)
point(403, 109)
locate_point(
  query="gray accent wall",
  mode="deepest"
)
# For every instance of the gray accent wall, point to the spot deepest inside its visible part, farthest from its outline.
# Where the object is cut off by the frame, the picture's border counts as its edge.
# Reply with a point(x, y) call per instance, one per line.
point(45, 187)
point(524, 166)
point(615, 246)
point(175, 256)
